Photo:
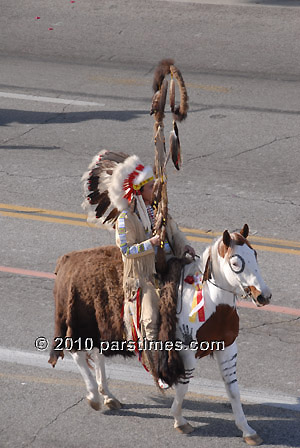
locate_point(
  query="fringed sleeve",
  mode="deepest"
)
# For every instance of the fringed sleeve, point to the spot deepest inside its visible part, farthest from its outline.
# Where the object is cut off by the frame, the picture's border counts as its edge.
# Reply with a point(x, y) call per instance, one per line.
point(126, 239)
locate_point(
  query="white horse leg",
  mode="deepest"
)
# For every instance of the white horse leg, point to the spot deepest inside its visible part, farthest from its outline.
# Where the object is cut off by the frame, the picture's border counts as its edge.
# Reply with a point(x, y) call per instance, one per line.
point(181, 389)
point(227, 364)
point(93, 396)
point(109, 400)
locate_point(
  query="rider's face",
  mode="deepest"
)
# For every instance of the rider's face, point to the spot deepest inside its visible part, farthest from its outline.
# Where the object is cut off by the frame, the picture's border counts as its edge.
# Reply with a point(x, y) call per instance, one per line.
point(147, 192)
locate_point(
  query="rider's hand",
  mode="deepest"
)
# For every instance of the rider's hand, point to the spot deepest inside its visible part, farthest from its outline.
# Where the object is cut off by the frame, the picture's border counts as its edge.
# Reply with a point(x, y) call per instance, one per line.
point(155, 240)
point(189, 250)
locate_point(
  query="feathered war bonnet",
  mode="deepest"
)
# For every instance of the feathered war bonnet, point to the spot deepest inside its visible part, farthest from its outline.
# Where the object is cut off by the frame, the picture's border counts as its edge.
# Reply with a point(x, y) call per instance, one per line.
point(112, 184)
point(125, 188)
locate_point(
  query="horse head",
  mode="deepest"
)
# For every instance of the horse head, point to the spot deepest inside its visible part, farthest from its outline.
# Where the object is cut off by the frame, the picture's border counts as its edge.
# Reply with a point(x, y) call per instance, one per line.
point(239, 267)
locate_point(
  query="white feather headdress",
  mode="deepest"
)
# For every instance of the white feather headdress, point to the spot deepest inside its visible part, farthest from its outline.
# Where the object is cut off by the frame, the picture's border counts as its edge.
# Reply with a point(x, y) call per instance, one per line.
point(110, 185)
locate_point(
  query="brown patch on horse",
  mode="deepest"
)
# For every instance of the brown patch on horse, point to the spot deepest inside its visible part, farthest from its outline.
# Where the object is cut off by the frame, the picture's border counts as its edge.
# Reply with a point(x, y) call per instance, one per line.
point(240, 240)
point(225, 247)
point(222, 249)
point(223, 325)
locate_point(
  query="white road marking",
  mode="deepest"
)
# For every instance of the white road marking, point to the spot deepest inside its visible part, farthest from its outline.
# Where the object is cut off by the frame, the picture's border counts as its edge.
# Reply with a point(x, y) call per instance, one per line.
point(122, 372)
point(46, 99)
point(279, 3)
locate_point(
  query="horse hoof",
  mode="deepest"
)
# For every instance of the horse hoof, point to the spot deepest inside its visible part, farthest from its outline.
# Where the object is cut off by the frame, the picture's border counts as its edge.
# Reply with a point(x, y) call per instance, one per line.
point(94, 404)
point(113, 404)
point(253, 440)
point(185, 429)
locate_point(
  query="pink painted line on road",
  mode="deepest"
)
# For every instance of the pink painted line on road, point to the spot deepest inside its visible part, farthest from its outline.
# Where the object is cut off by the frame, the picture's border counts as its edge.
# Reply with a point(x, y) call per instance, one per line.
point(271, 308)
point(27, 272)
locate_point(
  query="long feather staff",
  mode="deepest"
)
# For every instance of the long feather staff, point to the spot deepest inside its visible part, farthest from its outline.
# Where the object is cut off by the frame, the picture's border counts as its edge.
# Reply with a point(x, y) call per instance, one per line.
point(160, 195)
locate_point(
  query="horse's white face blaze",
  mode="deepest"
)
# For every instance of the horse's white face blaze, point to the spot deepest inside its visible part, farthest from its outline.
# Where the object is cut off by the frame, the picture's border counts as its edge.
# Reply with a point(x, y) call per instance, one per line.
point(242, 272)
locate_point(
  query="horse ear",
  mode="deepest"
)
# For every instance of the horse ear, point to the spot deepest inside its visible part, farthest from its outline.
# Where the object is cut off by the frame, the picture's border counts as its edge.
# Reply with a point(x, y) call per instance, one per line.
point(245, 231)
point(226, 238)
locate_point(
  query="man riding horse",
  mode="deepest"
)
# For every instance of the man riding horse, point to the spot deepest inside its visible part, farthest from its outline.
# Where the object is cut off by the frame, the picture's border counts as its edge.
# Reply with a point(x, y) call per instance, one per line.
point(132, 185)
point(124, 190)
point(119, 193)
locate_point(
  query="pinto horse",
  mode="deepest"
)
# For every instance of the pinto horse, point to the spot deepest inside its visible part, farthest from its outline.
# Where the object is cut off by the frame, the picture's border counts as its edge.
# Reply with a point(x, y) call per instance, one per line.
point(206, 316)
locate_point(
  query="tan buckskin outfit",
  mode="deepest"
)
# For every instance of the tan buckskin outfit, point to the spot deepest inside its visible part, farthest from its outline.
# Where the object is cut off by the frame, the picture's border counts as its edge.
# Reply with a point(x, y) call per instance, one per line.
point(139, 264)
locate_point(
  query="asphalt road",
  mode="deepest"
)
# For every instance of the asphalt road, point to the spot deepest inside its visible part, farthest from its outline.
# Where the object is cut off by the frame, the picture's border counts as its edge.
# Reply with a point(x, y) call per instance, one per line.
point(85, 85)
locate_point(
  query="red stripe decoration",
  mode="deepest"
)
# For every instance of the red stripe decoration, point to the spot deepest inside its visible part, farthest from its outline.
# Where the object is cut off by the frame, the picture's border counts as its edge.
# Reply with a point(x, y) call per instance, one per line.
point(201, 312)
point(135, 338)
point(138, 309)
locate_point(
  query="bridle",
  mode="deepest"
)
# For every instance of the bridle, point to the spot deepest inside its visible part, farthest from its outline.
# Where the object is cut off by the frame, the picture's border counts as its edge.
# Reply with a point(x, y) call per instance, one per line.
point(247, 291)
point(207, 277)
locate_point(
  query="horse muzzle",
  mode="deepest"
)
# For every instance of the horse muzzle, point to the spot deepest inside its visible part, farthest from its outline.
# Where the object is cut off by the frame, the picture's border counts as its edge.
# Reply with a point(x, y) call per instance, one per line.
point(259, 298)
point(262, 300)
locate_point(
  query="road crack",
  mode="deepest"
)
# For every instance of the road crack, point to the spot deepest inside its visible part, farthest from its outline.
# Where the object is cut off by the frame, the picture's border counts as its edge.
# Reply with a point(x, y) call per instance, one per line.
point(264, 145)
point(73, 176)
point(51, 422)
point(58, 114)
point(255, 199)
point(202, 156)
point(264, 324)
point(246, 330)
point(19, 136)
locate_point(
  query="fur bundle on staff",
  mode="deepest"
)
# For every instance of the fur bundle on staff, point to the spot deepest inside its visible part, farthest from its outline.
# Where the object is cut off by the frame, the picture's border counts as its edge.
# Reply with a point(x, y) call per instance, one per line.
point(164, 68)
point(160, 87)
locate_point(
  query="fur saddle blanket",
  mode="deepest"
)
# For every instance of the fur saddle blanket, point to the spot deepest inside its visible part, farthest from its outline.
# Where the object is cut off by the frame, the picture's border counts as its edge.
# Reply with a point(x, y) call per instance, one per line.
point(89, 302)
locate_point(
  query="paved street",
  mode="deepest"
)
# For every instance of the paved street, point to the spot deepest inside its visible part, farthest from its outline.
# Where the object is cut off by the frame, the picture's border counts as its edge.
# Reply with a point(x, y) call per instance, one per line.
point(77, 80)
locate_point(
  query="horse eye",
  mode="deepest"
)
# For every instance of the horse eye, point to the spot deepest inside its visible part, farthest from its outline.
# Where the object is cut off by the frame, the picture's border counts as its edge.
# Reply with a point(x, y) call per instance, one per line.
point(237, 264)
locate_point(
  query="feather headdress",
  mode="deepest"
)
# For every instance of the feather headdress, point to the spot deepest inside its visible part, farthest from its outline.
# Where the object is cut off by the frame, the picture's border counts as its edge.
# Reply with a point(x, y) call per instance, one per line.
point(112, 182)
point(101, 210)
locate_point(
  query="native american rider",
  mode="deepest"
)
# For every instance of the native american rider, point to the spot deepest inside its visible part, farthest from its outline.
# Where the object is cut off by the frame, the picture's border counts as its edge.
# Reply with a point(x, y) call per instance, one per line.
point(134, 182)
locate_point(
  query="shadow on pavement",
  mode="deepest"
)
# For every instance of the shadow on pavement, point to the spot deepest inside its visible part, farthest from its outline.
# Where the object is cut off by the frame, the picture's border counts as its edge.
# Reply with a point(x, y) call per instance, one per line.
point(274, 2)
point(8, 116)
point(276, 426)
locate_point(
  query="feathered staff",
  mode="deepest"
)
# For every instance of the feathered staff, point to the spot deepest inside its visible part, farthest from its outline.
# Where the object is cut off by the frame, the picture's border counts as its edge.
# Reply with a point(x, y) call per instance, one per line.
point(160, 196)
